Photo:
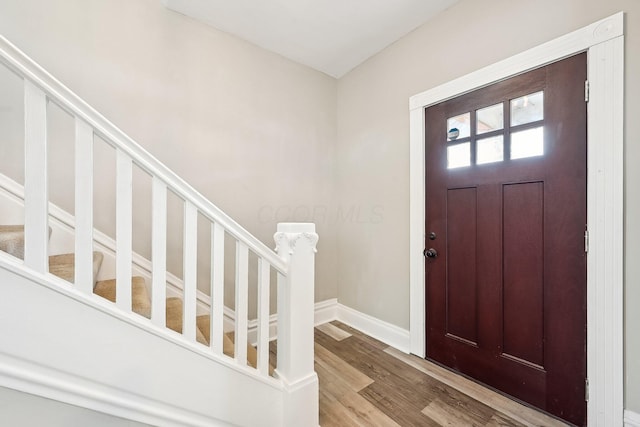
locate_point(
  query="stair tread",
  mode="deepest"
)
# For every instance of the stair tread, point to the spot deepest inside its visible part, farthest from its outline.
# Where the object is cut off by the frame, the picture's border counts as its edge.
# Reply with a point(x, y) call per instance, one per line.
point(12, 240)
point(63, 265)
point(204, 324)
point(140, 301)
point(228, 345)
point(174, 318)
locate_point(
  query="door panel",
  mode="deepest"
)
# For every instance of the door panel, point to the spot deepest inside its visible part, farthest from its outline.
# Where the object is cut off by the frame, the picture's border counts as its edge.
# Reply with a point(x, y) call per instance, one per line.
point(461, 268)
point(523, 287)
point(506, 199)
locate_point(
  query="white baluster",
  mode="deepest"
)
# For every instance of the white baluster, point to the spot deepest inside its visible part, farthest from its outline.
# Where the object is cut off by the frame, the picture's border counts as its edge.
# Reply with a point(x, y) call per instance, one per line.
point(124, 208)
point(84, 279)
point(264, 276)
point(242, 302)
point(190, 270)
point(159, 253)
point(217, 287)
point(36, 212)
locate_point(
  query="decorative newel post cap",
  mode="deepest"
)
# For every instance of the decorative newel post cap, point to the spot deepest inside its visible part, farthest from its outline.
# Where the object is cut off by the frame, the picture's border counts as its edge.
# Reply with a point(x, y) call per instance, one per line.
point(289, 233)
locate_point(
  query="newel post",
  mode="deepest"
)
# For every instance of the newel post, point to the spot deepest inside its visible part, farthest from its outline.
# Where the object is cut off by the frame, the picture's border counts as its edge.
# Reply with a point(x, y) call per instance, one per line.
point(296, 244)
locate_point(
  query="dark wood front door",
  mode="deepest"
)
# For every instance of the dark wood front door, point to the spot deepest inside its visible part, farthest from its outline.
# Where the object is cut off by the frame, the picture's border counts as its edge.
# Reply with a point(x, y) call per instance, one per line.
point(506, 218)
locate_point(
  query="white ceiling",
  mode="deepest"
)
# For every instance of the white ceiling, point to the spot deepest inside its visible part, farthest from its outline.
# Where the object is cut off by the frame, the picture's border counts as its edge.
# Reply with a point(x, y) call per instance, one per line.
point(332, 36)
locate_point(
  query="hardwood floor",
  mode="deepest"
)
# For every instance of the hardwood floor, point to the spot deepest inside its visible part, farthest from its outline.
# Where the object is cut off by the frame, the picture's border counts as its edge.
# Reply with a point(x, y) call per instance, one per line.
point(364, 382)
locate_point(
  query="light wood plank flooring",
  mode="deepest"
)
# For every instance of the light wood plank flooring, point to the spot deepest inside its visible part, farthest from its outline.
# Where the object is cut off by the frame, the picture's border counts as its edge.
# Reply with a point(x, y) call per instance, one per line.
point(364, 382)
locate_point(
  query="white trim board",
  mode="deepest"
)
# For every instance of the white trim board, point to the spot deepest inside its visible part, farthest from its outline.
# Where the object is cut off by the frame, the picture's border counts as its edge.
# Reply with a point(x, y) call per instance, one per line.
point(379, 329)
point(324, 311)
point(604, 43)
point(329, 310)
point(631, 419)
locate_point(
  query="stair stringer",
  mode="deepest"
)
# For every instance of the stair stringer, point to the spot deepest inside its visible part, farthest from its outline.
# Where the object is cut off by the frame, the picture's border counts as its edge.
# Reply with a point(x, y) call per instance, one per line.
point(60, 344)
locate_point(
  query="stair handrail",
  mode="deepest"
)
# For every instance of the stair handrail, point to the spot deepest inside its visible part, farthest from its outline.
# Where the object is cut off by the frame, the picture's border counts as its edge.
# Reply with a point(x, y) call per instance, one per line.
point(65, 98)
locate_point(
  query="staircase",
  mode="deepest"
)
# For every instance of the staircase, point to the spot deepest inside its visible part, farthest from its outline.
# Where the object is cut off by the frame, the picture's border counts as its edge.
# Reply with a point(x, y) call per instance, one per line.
point(98, 326)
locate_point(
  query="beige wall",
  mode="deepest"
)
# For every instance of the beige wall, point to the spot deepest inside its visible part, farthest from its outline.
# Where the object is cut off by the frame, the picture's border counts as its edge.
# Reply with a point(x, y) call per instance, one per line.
point(373, 141)
point(252, 131)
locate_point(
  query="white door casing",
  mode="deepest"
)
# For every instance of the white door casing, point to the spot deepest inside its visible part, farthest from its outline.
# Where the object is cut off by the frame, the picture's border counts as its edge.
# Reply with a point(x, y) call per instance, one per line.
point(604, 43)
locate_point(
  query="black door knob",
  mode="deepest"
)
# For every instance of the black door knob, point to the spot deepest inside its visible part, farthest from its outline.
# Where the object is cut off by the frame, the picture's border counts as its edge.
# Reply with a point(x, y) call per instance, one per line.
point(430, 253)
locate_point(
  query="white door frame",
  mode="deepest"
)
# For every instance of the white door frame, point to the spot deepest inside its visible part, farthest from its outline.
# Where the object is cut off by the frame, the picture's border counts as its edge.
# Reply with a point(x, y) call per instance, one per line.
point(604, 43)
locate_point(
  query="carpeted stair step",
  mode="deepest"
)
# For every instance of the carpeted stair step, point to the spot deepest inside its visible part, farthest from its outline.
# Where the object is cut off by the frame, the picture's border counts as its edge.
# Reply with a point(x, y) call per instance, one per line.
point(174, 318)
point(12, 240)
point(64, 265)
point(140, 301)
point(204, 324)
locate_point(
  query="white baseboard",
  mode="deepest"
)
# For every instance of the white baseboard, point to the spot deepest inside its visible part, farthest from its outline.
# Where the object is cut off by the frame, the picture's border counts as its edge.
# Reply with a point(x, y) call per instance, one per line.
point(631, 419)
point(329, 310)
point(326, 311)
point(376, 328)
